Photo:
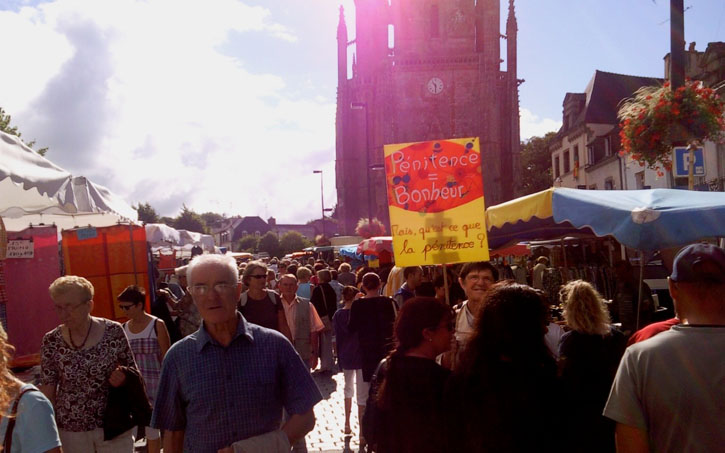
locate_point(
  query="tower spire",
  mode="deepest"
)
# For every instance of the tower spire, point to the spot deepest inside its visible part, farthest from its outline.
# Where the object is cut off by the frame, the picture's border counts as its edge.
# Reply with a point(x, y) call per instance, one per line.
point(511, 20)
point(341, 49)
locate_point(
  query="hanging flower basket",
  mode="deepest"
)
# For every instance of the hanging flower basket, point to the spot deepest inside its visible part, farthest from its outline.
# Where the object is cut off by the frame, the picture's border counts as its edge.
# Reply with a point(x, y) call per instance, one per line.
point(658, 118)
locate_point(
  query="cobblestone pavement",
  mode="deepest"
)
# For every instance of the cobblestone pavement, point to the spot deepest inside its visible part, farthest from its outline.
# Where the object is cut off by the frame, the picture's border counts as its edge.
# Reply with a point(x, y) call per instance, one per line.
point(328, 436)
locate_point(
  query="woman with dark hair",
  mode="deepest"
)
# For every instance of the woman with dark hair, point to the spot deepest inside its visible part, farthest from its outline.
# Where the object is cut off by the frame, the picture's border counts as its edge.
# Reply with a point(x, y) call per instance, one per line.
point(149, 342)
point(503, 394)
point(405, 406)
point(589, 357)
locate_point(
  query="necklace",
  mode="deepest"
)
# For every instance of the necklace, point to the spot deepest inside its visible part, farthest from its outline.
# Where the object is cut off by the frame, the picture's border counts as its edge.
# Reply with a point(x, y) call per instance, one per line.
point(70, 335)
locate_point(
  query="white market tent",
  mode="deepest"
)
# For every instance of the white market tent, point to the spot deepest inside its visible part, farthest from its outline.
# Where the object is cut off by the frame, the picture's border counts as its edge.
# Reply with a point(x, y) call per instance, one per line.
point(33, 190)
point(161, 236)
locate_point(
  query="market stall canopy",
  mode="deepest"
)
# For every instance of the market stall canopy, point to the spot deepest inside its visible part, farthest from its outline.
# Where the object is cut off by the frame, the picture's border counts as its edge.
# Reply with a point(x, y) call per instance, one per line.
point(350, 251)
point(34, 190)
point(375, 245)
point(159, 234)
point(164, 236)
point(527, 218)
point(646, 220)
point(513, 250)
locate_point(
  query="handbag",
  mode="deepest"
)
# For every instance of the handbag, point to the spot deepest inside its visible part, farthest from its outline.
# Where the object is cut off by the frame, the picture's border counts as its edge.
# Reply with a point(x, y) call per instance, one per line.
point(8, 442)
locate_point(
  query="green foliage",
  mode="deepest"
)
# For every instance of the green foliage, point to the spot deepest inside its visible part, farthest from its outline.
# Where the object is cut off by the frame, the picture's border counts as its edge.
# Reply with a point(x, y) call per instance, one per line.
point(269, 243)
point(657, 118)
point(13, 130)
point(146, 213)
point(211, 218)
point(248, 243)
point(167, 221)
point(536, 164)
point(189, 220)
point(292, 241)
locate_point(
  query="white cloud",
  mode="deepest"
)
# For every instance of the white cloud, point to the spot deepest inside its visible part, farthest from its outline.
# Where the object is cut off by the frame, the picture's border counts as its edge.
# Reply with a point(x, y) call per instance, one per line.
point(168, 118)
point(533, 125)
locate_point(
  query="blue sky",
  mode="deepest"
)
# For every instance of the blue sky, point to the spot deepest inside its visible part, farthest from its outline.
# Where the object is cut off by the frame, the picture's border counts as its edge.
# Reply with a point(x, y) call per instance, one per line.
point(229, 105)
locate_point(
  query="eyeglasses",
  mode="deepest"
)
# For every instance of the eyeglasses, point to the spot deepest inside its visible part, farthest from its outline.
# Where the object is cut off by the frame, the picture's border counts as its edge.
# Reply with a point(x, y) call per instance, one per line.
point(258, 276)
point(220, 288)
point(126, 307)
point(67, 308)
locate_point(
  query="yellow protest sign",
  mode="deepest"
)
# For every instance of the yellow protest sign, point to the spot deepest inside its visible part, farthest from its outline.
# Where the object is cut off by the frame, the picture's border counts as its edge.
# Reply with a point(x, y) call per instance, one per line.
point(435, 197)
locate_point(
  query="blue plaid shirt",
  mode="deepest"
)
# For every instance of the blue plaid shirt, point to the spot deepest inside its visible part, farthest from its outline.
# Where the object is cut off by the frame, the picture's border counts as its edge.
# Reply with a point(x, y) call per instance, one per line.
point(220, 395)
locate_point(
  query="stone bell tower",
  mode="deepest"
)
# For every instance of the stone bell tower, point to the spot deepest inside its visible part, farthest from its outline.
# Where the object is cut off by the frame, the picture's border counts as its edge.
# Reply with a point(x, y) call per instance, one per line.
point(423, 70)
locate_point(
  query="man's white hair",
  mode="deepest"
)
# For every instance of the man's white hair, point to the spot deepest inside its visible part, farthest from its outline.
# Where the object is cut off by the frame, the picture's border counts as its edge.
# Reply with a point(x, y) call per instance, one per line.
point(210, 258)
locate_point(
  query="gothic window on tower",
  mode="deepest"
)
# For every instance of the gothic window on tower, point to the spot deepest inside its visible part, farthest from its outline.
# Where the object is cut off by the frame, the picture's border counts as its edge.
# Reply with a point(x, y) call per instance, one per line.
point(434, 22)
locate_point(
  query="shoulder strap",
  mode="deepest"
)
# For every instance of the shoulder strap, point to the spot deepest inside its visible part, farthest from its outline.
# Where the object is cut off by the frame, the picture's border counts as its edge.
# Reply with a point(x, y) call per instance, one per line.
point(274, 297)
point(8, 442)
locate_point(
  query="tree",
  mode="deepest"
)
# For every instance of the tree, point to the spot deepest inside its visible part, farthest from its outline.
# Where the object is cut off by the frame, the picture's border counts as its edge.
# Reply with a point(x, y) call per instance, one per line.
point(167, 221)
point(248, 243)
point(212, 218)
point(190, 221)
point(269, 243)
point(292, 241)
point(536, 164)
point(146, 213)
point(13, 130)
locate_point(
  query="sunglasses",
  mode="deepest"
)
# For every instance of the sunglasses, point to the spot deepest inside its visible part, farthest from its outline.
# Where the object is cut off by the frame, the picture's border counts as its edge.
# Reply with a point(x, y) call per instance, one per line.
point(258, 276)
point(126, 307)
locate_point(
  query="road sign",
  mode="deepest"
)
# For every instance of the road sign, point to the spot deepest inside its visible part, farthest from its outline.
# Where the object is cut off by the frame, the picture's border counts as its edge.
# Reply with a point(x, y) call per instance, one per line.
point(682, 159)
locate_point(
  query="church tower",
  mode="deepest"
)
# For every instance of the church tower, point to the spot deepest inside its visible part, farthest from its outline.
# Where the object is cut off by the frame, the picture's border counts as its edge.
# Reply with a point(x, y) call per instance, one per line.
point(423, 70)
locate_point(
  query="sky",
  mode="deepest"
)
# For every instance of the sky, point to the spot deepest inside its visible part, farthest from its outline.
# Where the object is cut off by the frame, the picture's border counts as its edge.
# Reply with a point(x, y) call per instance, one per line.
point(229, 105)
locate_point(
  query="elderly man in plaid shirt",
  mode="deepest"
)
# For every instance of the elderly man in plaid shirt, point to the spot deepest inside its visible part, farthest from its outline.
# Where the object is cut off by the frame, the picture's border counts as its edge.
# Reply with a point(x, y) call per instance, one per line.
point(230, 380)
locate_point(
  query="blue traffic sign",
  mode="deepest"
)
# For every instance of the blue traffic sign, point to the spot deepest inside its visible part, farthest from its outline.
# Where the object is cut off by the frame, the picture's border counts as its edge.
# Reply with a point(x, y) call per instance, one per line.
point(682, 159)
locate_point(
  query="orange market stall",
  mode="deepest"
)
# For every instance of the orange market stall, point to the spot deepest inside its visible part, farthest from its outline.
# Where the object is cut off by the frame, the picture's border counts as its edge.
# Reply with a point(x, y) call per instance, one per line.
point(111, 258)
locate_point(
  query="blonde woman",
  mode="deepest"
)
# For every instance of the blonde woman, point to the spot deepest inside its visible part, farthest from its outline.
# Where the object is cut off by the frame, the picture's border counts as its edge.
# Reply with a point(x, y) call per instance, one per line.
point(27, 420)
point(589, 356)
point(80, 360)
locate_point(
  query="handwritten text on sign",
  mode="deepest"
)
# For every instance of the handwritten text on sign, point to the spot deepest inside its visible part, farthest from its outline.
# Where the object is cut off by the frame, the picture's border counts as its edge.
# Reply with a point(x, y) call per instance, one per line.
point(435, 196)
point(22, 248)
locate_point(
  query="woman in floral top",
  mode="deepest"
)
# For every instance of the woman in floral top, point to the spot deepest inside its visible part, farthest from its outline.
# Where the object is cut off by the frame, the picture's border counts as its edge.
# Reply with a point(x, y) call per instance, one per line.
point(80, 361)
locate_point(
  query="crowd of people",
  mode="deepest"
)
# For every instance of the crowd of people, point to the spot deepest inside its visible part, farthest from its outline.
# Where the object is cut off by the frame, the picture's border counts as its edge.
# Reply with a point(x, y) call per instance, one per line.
point(227, 365)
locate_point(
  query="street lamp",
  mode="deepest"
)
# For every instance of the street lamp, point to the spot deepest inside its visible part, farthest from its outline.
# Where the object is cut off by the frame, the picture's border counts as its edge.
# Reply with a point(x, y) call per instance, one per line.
point(322, 201)
point(364, 106)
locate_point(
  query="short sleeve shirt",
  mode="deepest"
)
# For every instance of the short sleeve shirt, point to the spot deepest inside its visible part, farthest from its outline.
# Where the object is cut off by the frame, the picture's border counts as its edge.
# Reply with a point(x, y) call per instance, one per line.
point(673, 387)
point(81, 376)
point(35, 430)
point(219, 395)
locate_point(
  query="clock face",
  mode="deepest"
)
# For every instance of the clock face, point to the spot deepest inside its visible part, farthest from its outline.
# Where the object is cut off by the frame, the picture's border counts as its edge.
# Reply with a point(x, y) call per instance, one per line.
point(435, 85)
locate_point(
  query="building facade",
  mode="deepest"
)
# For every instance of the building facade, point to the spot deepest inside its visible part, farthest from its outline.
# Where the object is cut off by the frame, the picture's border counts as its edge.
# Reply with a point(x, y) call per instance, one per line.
point(423, 70)
point(585, 153)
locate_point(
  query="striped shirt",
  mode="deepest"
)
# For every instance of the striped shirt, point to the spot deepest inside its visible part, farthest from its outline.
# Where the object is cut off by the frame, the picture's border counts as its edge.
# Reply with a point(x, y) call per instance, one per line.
point(220, 395)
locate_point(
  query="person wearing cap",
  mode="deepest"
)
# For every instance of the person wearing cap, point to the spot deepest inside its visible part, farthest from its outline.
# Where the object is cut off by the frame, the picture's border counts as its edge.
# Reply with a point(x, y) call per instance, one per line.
point(668, 393)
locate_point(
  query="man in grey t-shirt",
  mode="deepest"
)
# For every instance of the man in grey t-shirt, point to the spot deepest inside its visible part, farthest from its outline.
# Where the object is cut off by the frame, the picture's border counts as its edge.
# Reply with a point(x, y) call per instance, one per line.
point(668, 394)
